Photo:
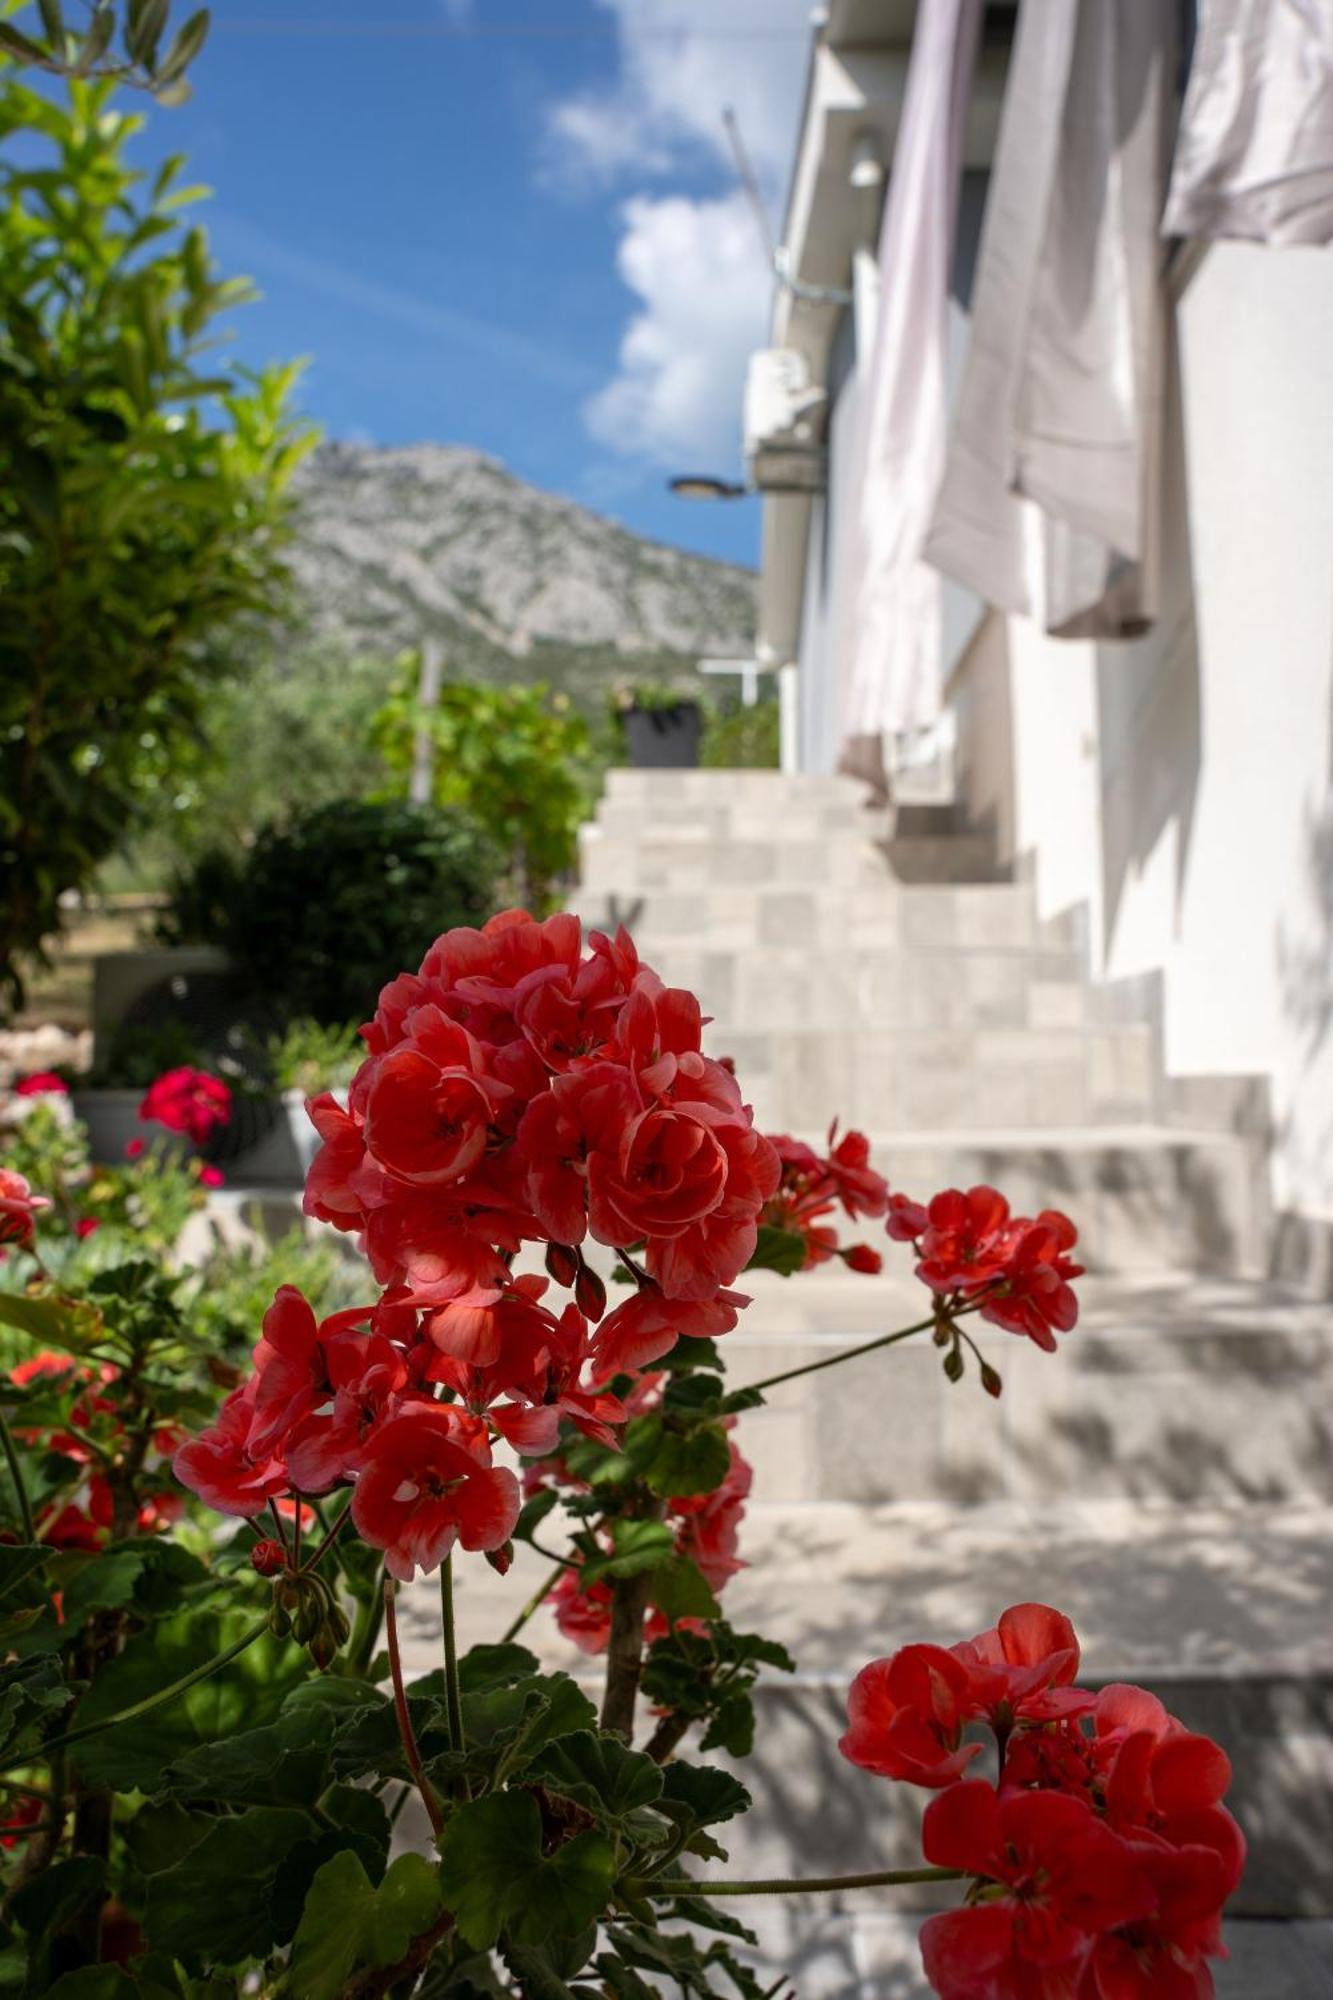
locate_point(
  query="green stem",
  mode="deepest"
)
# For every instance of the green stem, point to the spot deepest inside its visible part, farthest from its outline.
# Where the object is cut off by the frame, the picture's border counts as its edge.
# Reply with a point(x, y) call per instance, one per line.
point(407, 1735)
point(149, 1702)
point(855, 1353)
point(20, 1490)
point(313, 1562)
point(535, 1603)
point(885, 1878)
point(366, 1631)
point(453, 1693)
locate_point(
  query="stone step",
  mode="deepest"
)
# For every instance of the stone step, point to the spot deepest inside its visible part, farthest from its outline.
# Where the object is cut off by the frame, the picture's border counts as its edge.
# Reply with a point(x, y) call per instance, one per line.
point(690, 821)
point(1222, 1610)
point(941, 858)
point(1147, 1198)
point(909, 986)
point(1152, 1397)
point(842, 860)
point(885, 1078)
point(835, 918)
point(654, 789)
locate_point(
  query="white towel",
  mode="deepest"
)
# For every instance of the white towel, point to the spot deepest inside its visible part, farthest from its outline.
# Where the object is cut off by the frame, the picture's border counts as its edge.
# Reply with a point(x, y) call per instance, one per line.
point(892, 649)
point(1048, 504)
point(1254, 157)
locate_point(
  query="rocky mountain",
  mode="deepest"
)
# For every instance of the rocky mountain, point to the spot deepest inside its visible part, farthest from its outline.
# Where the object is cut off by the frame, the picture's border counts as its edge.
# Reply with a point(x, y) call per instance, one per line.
point(400, 543)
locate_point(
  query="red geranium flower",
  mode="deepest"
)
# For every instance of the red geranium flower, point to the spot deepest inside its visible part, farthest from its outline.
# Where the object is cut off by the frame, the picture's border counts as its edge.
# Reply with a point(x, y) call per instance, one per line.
point(1066, 1875)
point(292, 1375)
point(582, 1611)
point(366, 1375)
point(906, 1717)
point(42, 1083)
point(1034, 1295)
point(216, 1465)
point(1023, 1668)
point(428, 1482)
point(965, 1243)
point(189, 1101)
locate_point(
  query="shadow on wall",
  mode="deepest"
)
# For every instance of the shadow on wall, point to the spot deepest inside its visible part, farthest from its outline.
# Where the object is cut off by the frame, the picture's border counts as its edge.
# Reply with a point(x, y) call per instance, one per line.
point(1148, 696)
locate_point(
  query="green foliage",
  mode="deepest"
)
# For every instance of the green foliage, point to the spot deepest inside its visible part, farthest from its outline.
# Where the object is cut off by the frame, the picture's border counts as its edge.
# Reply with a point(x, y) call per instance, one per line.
point(349, 1925)
point(142, 504)
point(741, 739)
point(309, 1056)
point(517, 760)
point(329, 906)
point(496, 1877)
point(153, 59)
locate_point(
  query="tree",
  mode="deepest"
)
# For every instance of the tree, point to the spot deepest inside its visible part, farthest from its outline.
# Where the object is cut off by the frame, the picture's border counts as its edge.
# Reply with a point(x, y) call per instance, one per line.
point(143, 511)
point(152, 60)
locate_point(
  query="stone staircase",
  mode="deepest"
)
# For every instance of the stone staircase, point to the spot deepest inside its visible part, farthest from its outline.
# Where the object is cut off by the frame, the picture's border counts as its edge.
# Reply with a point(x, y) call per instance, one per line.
point(1168, 1478)
point(943, 1019)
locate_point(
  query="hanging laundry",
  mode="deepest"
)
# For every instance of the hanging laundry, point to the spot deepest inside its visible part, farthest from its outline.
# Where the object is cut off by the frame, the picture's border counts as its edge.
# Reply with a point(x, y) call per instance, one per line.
point(1254, 155)
point(1048, 505)
point(891, 641)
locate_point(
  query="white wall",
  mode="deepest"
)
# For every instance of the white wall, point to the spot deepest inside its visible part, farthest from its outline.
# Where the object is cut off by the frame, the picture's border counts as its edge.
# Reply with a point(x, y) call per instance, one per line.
point(1183, 787)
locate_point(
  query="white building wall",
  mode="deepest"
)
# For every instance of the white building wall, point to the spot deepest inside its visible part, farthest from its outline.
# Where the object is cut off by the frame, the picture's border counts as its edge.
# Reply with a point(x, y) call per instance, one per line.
point(1183, 788)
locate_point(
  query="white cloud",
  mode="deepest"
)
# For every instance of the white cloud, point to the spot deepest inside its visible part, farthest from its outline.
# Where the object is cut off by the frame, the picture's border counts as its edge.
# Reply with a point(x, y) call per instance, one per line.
point(699, 269)
point(682, 63)
point(697, 266)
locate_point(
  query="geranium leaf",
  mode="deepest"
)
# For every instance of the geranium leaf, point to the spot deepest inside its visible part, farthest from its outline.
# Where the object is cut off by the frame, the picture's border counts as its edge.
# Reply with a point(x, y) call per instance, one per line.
point(639, 1545)
point(780, 1250)
point(70, 1324)
point(679, 1462)
point(495, 1877)
point(680, 1590)
point(703, 1793)
point(215, 1905)
point(599, 1773)
point(347, 1924)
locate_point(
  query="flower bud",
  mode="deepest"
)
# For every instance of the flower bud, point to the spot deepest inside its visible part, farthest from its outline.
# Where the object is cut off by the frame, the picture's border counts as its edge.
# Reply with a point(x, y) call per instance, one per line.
point(589, 1293)
point(269, 1558)
point(860, 1257)
point(562, 1263)
point(501, 1558)
point(324, 1648)
point(990, 1379)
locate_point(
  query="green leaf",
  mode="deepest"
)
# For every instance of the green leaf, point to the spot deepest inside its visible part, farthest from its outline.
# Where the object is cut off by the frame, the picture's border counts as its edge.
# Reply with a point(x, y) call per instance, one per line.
point(183, 50)
point(597, 1772)
point(638, 1546)
point(731, 1725)
point(483, 1667)
point(680, 1590)
point(53, 22)
point(678, 1461)
point(17, 1563)
point(215, 1905)
point(69, 1324)
point(496, 1879)
point(19, 46)
point(31, 1691)
point(703, 1793)
point(780, 1250)
point(348, 1925)
point(285, 1763)
point(247, 1692)
point(534, 1512)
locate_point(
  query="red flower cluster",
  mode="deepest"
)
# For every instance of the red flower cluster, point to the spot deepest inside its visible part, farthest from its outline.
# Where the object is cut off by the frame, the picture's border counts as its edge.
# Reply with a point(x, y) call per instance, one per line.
point(972, 1249)
point(42, 1083)
point(813, 1187)
point(189, 1101)
point(19, 1209)
point(1102, 1855)
point(83, 1514)
point(520, 1090)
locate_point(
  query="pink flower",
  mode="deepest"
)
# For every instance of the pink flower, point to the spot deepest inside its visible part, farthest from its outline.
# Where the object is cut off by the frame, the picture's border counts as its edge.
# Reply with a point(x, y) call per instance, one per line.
point(19, 1209)
point(42, 1083)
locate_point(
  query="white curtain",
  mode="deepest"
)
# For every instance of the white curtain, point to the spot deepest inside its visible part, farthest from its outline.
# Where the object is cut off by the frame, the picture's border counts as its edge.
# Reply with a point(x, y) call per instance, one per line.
point(1048, 502)
point(891, 642)
point(1254, 157)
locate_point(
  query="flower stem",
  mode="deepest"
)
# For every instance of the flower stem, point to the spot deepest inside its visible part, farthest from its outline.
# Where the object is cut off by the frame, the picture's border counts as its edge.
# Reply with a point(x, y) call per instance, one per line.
point(20, 1490)
point(855, 1353)
point(535, 1602)
point(313, 1561)
point(885, 1878)
point(405, 1731)
point(149, 1702)
point(453, 1693)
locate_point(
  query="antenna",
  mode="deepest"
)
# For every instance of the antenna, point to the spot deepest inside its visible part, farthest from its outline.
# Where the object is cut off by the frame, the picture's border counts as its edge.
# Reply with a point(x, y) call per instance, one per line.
point(749, 180)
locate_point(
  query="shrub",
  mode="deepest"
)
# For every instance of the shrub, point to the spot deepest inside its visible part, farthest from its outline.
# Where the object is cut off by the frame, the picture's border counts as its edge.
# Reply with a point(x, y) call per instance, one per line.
point(325, 908)
point(742, 739)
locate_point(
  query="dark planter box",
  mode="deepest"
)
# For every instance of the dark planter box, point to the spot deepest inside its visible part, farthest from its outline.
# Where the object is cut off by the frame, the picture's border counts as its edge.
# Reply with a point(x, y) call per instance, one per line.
point(664, 739)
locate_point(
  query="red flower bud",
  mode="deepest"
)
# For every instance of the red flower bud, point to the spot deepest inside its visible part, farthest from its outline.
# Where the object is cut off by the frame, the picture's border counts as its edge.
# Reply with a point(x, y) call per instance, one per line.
point(589, 1293)
point(860, 1257)
point(562, 1262)
point(269, 1558)
point(501, 1559)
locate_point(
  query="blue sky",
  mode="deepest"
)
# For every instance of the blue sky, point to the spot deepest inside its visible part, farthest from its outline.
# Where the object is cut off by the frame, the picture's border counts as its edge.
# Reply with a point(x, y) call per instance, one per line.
point(506, 223)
